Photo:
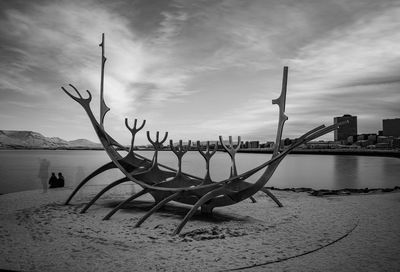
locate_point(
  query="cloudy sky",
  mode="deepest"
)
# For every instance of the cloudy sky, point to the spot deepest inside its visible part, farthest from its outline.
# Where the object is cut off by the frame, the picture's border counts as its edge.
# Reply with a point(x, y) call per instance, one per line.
point(199, 69)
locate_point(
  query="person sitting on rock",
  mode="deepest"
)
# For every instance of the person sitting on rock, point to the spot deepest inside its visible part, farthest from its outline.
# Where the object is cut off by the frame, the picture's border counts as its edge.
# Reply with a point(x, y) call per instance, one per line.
point(60, 180)
point(53, 181)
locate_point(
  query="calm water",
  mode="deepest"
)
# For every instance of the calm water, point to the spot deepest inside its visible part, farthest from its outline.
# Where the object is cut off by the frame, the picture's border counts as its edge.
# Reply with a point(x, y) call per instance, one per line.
point(19, 169)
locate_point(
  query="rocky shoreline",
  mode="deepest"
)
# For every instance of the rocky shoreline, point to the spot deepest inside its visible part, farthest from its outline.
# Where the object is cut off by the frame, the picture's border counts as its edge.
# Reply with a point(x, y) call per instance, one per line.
point(345, 191)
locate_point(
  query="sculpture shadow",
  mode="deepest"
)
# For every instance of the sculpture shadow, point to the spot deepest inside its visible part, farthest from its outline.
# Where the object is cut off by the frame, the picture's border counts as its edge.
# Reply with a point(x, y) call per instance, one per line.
point(176, 210)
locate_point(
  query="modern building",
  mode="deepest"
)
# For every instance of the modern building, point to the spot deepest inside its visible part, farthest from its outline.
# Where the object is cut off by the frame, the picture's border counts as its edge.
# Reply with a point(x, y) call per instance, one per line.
point(254, 144)
point(384, 142)
point(372, 139)
point(250, 144)
point(347, 130)
point(396, 142)
point(391, 127)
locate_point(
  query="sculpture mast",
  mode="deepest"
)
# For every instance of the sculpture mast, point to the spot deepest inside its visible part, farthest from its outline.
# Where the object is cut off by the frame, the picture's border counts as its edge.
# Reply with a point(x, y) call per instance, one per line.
point(281, 102)
point(103, 107)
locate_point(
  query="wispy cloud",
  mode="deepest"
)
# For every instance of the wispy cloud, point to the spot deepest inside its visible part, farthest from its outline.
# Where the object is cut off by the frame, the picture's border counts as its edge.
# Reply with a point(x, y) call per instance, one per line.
point(362, 50)
point(60, 38)
point(352, 68)
point(256, 114)
point(204, 67)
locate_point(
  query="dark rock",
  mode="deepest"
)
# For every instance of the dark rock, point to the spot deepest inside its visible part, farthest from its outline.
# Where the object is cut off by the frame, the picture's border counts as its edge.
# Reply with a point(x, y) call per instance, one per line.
point(303, 189)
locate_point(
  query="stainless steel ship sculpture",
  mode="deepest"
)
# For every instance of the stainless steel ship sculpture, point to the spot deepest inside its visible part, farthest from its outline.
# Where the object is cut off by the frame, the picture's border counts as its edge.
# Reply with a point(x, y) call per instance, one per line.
point(166, 184)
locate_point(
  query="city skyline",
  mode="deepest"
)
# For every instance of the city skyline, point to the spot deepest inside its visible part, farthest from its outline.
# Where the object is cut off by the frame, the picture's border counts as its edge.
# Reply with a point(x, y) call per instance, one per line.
point(199, 69)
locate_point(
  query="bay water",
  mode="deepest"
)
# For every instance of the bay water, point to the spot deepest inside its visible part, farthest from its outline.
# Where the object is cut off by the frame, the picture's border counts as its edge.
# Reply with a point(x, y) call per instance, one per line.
point(19, 169)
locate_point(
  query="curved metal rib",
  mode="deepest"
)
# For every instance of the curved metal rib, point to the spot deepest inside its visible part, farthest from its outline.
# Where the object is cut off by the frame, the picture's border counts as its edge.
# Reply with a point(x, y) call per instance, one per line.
point(157, 145)
point(157, 207)
point(105, 189)
point(138, 194)
point(134, 130)
point(201, 201)
point(271, 195)
point(101, 169)
point(232, 152)
point(207, 157)
point(179, 151)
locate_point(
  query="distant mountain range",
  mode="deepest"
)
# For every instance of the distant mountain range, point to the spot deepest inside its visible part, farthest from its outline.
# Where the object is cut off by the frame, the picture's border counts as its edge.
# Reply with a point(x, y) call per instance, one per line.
point(16, 139)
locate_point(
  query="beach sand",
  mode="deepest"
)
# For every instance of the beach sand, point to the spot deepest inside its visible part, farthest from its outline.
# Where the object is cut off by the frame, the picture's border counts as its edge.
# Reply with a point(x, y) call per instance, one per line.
point(332, 233)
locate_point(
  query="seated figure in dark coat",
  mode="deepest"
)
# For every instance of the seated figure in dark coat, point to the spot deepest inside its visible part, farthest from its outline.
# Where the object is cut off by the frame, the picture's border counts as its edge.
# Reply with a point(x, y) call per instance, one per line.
point(60, 180)
point(53, 181)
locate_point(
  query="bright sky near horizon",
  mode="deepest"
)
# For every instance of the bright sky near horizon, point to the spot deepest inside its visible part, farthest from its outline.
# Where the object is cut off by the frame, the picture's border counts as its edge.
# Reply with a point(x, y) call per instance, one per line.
point(199, 69)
